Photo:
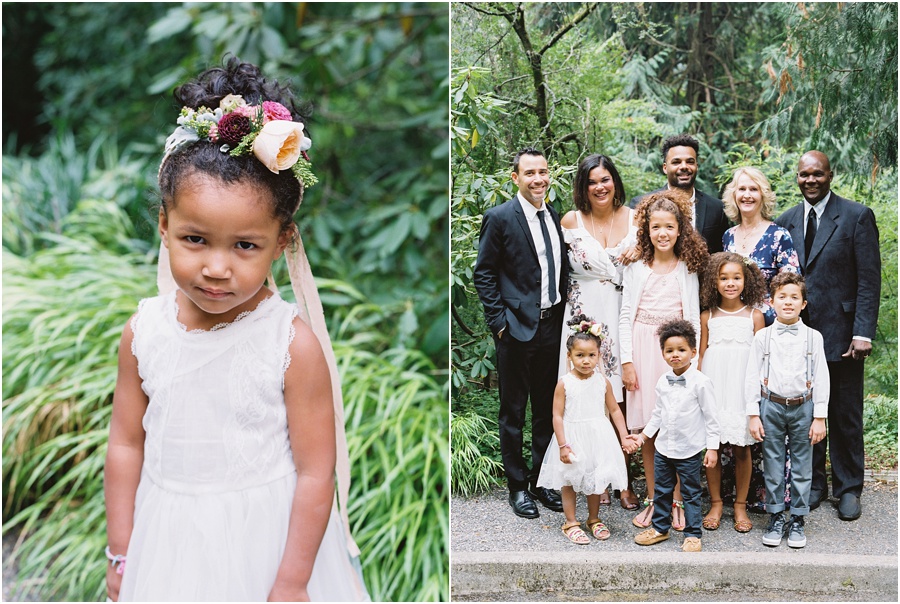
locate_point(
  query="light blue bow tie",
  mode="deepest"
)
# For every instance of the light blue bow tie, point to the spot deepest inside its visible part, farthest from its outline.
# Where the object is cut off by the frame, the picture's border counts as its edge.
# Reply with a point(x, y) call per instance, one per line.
point(791, 329)
point(680, 381)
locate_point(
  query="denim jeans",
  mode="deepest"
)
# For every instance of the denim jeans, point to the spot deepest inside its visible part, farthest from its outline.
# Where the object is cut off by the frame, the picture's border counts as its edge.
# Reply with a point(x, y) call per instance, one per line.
point(795, 421)
point(688, 470)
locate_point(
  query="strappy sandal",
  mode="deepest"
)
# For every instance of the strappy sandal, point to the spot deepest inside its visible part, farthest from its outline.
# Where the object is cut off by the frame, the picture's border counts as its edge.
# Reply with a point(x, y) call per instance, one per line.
point(742, 526)
point(677, 515)
point(711, 523)
point(573, 532)
point(604, 498)
point(645, 518)
point(598, 530)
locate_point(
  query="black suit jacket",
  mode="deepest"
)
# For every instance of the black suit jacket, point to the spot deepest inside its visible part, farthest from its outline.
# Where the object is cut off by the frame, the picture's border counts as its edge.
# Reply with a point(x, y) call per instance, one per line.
point(711, 220)
point(843, 271)
point(507, 273)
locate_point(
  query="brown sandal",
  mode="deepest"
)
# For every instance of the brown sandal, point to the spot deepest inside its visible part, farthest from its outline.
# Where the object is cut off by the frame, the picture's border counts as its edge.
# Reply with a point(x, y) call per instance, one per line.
point(628, 500)
point(742, 526)
point(711, 523)
point(573, 532)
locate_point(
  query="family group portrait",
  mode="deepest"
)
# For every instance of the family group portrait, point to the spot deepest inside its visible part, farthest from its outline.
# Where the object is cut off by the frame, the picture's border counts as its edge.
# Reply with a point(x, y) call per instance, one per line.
point(674, 296)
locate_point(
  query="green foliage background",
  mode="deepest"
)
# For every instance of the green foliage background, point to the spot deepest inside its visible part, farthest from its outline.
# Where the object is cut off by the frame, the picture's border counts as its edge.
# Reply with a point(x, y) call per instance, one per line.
point(87, 106)
point(756, 83)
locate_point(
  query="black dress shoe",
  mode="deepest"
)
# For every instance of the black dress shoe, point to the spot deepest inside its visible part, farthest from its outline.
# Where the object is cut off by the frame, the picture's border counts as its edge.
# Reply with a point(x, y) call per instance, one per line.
point(548, 497)
point(849, 507)
point(522, 504)
point(816, 497)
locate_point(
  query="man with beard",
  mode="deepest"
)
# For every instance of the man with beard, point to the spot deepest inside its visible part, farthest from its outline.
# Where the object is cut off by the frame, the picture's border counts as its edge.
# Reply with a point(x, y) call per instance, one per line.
point(680, 167)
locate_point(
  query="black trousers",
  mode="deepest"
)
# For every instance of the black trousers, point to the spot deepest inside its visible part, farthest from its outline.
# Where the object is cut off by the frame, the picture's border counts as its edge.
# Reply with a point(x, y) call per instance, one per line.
point(844, 440)
point(527, 369)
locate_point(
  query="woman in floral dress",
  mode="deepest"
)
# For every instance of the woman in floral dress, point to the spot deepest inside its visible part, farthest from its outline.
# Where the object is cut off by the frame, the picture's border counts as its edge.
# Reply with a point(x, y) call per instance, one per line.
point(750, 203)
point(597, 232)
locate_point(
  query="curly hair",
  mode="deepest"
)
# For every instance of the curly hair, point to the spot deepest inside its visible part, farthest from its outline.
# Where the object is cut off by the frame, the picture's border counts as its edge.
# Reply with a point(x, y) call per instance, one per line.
point(754, 291)
point(203, 158)
point(786, 278)
point(582, 178)
point(768, 196)
point(680, 140)
point(689, 246)
point(581, 335)
point(677, 328)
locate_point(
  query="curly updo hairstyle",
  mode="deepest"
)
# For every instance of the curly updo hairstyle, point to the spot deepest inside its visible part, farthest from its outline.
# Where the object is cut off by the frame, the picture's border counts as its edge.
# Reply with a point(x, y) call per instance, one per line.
point(204, 157)
point(581, 335)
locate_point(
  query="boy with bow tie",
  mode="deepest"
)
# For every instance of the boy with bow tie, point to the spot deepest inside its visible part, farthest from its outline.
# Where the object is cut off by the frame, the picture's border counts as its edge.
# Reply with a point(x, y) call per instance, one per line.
point(786, 391)
point(685, 415)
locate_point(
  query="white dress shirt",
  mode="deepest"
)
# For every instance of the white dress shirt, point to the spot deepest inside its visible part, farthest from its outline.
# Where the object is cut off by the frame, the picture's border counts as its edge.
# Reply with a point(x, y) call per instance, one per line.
point(693, 201)
point(787, 367)
point(684, 415)
point(535, 227)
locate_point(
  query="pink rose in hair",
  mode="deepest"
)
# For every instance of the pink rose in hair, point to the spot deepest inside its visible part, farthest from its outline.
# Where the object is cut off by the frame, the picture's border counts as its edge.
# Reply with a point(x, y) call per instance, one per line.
point(276, 111)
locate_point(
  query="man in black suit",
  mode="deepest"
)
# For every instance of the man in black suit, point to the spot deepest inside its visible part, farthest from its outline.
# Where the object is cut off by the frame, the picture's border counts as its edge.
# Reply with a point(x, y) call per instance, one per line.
point(521, 275)
point(680, 167)
point(837, 245)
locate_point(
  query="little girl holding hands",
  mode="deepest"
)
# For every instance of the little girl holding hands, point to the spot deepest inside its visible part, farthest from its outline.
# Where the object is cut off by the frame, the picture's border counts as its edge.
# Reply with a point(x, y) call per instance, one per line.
point(661, 286)
point(732, 287)
point(227, 422)
point(589, 459)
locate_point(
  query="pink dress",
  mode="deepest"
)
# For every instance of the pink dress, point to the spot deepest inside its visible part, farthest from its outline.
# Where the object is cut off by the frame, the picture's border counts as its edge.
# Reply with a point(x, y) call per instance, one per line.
point(660, 302)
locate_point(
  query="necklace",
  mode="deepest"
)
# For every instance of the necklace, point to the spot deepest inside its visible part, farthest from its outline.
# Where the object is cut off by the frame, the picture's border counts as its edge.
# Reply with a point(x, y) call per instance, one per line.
point(664, 277)
point(608, 227)
point(731, 312)
point(749, 236)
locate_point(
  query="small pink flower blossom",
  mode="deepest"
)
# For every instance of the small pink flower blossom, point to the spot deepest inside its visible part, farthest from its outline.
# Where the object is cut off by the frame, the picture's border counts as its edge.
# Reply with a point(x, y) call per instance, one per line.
point(276, 111)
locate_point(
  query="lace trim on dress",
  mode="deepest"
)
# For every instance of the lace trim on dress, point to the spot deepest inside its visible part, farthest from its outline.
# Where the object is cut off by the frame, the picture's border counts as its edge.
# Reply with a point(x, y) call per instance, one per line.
point(217, 326)
point(287, 350)
point(133, 323)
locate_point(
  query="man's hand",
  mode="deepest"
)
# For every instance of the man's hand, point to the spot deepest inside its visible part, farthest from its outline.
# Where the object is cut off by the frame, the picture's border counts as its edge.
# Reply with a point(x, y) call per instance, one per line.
point(859, 350)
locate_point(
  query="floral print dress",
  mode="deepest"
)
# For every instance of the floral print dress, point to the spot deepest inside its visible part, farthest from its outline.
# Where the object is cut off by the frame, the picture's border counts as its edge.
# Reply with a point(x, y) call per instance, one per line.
point(595, 289)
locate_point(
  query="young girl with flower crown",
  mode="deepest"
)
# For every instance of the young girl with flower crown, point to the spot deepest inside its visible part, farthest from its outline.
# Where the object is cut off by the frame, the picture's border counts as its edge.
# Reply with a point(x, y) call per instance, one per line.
point(661, 286)
point(731, 289)
point(583, 455)
point(227, 421)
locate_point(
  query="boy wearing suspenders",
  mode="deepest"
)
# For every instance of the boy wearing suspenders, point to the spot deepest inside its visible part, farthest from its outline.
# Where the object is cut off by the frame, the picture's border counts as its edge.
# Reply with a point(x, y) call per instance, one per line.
point(786, 391)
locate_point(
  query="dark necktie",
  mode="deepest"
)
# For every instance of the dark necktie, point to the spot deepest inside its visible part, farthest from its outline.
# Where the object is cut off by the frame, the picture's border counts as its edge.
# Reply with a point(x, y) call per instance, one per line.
point(810, 236)
point(551, 265)
point(676, 381)
point(791, 329)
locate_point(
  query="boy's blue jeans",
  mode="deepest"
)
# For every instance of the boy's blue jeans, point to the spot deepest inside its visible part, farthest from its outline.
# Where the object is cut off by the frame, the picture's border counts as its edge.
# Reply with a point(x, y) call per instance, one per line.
point(795, 421)
point(666, 470)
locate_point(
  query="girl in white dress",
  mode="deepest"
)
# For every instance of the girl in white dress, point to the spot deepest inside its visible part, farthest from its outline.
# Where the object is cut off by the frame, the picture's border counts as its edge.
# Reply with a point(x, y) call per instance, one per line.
point(583, 455)
point(731, 289)
point(227, 421)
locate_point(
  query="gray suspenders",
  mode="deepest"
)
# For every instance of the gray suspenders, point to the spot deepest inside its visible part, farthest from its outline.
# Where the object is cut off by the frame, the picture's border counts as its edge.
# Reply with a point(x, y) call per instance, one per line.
point(764, 389)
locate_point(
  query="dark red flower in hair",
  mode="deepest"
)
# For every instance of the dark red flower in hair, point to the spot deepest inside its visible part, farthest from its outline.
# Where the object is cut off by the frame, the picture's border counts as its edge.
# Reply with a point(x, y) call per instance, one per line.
point(233, 127)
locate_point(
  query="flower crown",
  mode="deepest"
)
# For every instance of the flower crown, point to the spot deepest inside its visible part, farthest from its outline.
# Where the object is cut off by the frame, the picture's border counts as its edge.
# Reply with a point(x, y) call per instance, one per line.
point(267, 130)
point(591, 327)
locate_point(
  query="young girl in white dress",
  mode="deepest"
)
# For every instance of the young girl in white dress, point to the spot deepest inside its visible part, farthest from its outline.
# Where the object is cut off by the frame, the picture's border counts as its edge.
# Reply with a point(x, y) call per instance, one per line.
point(732, 288)
point(661, 286)
point(227, 421)
point(583, 455)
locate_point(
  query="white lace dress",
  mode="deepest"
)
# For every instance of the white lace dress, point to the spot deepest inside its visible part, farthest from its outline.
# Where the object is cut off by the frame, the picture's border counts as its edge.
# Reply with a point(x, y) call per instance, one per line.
point(725, 362)
point(214, 500)
point(593, 439)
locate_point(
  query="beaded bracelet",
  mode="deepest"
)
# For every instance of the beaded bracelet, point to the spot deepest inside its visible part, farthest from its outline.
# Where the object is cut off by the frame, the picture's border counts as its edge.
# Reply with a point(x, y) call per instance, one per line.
point(118, 561)
point(564, 446)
